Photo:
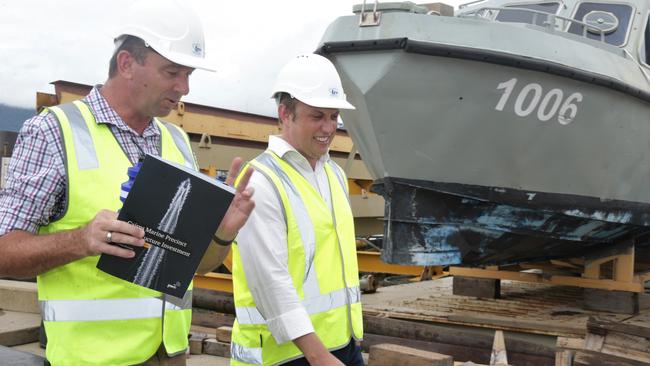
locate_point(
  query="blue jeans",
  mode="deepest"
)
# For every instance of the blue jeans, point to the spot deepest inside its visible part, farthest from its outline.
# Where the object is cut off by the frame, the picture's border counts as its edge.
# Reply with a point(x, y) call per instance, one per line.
point(350, 355)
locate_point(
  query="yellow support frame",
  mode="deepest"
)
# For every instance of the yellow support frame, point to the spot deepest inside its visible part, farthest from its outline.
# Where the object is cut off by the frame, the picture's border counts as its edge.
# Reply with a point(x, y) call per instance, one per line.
point(368, 262)
point(214, 281)
point(624, 278)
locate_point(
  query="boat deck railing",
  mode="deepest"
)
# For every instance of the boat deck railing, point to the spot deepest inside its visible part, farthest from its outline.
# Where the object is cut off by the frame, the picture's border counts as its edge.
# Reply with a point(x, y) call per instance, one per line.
point(548, 20)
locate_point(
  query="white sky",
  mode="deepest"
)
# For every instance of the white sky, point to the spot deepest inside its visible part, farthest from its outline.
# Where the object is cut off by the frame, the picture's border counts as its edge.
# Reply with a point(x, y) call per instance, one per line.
point(249, 41)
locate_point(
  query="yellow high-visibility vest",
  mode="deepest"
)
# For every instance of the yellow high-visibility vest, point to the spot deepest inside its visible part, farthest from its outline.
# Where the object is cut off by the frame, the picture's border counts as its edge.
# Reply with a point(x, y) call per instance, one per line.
point(322, 262)
point(90, 317)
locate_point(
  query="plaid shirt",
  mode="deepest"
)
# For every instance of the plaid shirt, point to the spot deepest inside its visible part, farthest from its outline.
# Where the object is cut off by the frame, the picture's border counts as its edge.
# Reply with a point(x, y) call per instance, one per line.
point(35, 193)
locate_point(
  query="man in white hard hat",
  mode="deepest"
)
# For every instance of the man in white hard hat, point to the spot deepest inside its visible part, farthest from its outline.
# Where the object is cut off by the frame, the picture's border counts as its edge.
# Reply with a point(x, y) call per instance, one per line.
point(295, 273)
point(58, 212)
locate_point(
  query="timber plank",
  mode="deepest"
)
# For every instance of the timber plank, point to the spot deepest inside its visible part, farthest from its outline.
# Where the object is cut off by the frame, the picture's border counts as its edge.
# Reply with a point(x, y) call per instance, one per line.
point(458, 352)
point(19, 296)
point(18, 328)
point(564, 357)
point(224, 334)
point(569, 343)
point(205, 332)
point(212, 319)
point(213, 347)
point(627, 353)
point(396, 355)
point(477, 287)
point(196, 345)
point(213, 300)
point(627, 343)
point(589, 358)
point(621, 302)
point(603, 326)
point(441, 334)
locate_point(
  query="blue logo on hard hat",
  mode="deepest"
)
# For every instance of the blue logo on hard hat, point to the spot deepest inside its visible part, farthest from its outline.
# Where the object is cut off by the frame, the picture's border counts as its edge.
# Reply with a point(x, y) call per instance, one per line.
point(197, 49)
point(334, 92)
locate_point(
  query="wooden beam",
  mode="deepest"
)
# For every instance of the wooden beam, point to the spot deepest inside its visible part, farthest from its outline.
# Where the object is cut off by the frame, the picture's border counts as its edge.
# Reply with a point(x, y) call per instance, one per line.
point(18, 328)
point(396, 355)
point(480, 356)
point(224, 334)
point(569, 343)
point(624, 266)
point(19, 296)
point(212, 319)
point(213, 347)
point(440, 333)
point(371, 262)
point(554, 280)
point(196, 344)
point(486, 288)
point(588, 358)
point(603, 326)
point(213, 300)
point(214, 281)
point(621, 302)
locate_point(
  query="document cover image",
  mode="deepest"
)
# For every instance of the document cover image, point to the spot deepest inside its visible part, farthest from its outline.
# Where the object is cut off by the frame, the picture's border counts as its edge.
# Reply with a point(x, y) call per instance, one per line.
point(179, 209)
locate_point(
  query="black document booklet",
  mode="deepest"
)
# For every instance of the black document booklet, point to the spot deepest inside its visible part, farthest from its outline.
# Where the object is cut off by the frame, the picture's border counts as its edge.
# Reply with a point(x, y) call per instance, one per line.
point(179, 209)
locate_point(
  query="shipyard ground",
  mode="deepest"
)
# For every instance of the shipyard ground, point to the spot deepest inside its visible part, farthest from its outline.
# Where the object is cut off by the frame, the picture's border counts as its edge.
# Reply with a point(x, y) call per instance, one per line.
point(539, 321)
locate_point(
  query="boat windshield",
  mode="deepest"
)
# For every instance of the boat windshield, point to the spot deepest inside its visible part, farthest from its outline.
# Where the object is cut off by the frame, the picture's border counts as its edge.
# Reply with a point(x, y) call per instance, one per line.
point(515, 16)
point(612, 19)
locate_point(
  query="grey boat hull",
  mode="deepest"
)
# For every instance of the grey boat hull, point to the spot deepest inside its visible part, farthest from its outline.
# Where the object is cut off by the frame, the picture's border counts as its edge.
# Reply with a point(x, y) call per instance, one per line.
point(434, 130)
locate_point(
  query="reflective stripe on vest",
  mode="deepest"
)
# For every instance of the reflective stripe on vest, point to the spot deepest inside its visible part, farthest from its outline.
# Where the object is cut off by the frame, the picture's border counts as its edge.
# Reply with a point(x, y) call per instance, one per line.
point(249, 355)
point(314, 305)
point(108, 309)
point(182, 145)
point(340, 177)
point(83, 142)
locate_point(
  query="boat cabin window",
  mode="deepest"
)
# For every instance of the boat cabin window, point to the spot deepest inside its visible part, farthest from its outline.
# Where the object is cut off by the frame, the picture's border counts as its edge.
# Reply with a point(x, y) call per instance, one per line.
point(522, 16)
point(612, 19)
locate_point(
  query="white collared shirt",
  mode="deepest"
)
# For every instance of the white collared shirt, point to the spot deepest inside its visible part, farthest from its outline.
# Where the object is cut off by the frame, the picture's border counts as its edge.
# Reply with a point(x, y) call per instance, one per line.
point(262, 243)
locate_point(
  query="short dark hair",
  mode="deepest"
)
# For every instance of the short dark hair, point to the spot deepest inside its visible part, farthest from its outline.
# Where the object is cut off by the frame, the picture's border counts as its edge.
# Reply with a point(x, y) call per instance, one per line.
point(289, 103)
point(135, 47)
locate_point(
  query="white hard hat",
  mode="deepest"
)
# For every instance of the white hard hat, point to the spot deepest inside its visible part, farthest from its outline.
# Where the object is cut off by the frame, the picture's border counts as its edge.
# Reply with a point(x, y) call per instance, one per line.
point(313, 80)
point(169, 27)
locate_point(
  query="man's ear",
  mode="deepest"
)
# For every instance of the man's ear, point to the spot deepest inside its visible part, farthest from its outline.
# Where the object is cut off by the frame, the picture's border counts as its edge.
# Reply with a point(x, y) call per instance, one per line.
point(284, 114)
point(125, 63)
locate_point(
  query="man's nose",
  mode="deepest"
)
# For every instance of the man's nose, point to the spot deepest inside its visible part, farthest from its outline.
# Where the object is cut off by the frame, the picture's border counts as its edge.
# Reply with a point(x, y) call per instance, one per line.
point(183, 85)
point(329, 125)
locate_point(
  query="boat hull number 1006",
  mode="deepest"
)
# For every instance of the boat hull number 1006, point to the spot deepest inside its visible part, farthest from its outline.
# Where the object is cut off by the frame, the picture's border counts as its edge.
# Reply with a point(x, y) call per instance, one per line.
point(532, 99)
